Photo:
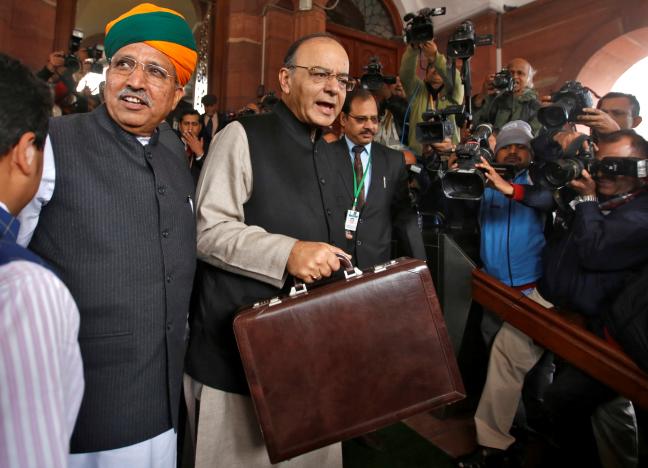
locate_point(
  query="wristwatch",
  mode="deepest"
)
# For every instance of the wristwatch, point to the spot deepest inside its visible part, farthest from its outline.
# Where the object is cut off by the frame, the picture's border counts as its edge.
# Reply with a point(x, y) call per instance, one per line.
point(585, 198)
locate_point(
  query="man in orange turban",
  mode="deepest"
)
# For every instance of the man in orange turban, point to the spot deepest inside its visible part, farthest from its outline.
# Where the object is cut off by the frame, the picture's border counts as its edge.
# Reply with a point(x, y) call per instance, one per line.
point(120, 230)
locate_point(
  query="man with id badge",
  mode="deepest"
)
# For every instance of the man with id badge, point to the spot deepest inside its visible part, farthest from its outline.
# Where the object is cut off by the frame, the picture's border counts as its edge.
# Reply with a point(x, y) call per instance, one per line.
point(375, 199)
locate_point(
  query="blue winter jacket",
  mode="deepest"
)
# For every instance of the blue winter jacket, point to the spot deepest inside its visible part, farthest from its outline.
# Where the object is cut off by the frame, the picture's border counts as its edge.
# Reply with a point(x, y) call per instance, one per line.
point(512, 237)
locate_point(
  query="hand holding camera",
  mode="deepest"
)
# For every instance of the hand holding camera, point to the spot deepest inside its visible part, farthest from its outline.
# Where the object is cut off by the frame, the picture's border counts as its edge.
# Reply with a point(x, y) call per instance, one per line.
point(495, 180)
point(55, 60)
point(584, 185)
point(598, 120)
point(429, 49)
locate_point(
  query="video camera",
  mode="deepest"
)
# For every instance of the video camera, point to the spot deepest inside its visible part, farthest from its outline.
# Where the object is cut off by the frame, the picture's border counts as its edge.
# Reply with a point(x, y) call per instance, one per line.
point(419, 28)
point(503, 81)
point(373, 79)
point(466, 182)
point(617, 166)
point(436, 126)
point(463, 41)
point(568, 104)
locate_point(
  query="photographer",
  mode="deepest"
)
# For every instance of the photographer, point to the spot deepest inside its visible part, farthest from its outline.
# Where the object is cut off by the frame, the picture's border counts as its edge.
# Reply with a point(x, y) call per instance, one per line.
point(512, 220)
point(431, 93)
point(614, 111)
point(498, 107)
point(585, 269)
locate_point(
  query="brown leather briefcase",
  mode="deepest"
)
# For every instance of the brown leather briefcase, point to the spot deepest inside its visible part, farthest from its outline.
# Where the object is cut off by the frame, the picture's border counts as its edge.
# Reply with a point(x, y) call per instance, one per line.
point(336, 361)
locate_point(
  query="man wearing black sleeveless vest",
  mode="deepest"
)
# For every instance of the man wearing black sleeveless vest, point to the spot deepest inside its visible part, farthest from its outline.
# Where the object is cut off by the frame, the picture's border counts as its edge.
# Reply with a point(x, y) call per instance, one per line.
point(119, 229)
point(266, 200)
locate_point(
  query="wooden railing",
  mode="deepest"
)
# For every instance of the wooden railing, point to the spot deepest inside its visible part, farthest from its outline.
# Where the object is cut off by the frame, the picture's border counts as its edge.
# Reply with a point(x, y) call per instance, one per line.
point(565, 336)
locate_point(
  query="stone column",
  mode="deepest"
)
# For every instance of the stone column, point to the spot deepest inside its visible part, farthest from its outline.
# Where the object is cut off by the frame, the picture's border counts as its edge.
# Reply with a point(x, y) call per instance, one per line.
point(64, 23)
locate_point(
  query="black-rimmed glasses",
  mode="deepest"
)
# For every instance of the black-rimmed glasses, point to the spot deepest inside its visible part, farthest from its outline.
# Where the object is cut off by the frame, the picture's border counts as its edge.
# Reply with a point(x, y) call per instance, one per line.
point(320, 75)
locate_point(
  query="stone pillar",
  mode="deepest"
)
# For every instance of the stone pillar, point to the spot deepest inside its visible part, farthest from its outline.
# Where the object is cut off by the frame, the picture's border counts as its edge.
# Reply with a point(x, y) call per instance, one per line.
point(64, 23)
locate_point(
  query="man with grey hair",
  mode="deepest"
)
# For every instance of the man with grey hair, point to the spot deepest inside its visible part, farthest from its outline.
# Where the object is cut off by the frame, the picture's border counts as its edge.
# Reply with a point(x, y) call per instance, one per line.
point(498, 108)
point(264, 213)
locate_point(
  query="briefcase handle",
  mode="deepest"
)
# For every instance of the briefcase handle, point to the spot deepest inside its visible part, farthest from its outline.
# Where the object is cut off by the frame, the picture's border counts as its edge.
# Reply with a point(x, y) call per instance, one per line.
point(349, 272)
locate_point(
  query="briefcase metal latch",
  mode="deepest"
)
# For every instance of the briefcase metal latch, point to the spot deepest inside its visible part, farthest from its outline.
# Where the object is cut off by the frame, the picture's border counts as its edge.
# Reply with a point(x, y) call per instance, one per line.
point(383, 266)
point(269, 302)
point(298, 289)
point(352, 273)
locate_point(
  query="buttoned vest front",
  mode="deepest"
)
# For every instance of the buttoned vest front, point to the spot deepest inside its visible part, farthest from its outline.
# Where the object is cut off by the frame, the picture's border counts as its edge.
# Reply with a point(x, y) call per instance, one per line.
point(120, 232)
point(293, 193)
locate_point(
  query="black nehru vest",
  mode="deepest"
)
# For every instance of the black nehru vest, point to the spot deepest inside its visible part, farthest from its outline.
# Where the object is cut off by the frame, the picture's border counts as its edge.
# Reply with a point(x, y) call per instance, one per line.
point(293, 194)
point(120, 232)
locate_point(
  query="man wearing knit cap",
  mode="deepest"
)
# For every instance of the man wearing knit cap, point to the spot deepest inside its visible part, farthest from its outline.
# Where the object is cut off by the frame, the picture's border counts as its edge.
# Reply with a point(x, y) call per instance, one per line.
point(114, 216)
point(512, 220)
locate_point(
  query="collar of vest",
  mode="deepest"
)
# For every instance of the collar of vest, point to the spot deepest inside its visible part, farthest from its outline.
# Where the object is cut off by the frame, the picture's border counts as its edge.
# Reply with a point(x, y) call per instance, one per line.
point(295, 126)
point(106, 121)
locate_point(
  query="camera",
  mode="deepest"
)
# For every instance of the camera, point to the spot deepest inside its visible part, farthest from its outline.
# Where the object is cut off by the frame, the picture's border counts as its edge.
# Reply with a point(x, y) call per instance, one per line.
point(419, 27)
point(503, 81)
point(568, 104)
point(436, 126)
point(463, 41)
point(466, 182)
point(373, 79)
point(616, 166)
point(554, 168)
point(71, 62)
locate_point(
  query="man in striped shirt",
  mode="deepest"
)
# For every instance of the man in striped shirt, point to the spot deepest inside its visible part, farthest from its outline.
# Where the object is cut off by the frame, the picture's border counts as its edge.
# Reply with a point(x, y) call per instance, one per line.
point(41, 374)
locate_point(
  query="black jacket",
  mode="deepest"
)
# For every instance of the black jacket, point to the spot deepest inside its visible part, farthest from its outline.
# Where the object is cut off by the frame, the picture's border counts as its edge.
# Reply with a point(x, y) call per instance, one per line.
point(585, 268)
point(387, 207)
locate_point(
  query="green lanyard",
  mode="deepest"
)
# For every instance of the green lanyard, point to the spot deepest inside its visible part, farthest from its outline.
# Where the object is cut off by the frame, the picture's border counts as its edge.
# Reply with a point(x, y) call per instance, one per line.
point(356, 188)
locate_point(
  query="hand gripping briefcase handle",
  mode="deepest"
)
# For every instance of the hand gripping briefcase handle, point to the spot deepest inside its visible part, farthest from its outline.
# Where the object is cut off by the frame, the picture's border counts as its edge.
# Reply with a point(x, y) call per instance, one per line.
point(349, 272)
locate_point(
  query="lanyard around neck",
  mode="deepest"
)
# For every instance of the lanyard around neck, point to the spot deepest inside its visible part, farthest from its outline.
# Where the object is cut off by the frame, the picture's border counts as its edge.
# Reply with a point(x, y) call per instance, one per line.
point(356, 187)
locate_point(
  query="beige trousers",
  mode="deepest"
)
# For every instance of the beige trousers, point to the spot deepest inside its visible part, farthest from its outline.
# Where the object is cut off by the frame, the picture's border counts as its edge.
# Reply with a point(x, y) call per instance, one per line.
point(229, 437)
point(512, 356)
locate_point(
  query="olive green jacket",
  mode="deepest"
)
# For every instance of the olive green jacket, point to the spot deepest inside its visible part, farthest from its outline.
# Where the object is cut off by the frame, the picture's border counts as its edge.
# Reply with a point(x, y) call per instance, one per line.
point(503, 108)
point(421, 100)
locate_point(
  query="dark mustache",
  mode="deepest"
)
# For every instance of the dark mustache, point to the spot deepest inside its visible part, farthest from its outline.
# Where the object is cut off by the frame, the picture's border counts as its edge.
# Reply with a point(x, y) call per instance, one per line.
point(138, 93)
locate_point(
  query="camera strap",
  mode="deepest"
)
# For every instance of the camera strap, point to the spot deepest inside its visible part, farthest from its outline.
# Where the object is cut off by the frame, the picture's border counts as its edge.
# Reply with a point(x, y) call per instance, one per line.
point(621, 199)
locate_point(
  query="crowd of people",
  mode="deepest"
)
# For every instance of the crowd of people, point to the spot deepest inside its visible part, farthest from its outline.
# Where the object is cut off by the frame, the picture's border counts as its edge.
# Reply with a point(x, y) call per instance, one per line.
point(128, 246)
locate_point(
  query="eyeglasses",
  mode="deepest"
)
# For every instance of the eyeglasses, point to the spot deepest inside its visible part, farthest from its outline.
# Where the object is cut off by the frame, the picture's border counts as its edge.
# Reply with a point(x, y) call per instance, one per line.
point(320, 75)
point(154, 74)
point(362, 119)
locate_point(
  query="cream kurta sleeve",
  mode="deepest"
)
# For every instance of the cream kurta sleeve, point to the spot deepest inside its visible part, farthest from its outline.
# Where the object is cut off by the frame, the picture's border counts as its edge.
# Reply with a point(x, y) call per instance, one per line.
point(224, 239)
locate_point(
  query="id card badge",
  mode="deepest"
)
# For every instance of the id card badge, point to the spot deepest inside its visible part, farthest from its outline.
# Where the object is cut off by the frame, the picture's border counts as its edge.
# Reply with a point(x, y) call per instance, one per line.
point(351, 222)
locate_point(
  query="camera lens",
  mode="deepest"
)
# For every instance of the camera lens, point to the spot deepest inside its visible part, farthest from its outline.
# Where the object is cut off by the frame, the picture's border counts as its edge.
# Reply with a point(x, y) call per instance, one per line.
point(561, 171)
point(553, 116)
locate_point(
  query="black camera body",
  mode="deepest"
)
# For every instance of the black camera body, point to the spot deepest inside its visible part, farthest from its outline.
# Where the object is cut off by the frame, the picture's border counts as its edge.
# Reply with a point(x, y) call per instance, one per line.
point(617, 166)
point(568, 103)
point(418, 27)
point(71, 62)
point(373, 79)
point(552, 167)
point(463, 41)
point(467, 182)
point(435, 126)
point(503, 81)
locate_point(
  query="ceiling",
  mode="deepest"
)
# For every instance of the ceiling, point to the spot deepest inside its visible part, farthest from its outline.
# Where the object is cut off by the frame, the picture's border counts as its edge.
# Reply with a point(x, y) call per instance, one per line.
point(92, 15)
point(456, 10)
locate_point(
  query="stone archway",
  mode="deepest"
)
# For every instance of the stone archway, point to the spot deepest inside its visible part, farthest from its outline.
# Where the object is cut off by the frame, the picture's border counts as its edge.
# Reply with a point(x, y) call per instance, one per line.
point(608, 63)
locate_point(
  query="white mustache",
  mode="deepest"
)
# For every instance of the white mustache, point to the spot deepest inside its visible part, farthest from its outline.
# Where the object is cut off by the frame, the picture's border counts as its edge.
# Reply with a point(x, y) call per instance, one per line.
point(139, 94)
